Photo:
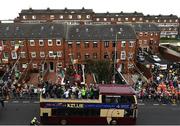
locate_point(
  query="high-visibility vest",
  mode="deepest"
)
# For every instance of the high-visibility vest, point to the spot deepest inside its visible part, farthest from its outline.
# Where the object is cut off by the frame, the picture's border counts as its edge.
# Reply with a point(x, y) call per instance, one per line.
point(33, 121)
point(83, 92)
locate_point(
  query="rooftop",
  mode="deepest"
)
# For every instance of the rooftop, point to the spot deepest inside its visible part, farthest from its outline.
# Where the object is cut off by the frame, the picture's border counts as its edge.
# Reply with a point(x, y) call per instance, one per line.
point(145, 27)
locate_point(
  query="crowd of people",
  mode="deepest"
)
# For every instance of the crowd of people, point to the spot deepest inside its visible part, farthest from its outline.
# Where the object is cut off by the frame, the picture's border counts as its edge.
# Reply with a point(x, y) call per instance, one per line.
point(164, 86)
point(74, 91)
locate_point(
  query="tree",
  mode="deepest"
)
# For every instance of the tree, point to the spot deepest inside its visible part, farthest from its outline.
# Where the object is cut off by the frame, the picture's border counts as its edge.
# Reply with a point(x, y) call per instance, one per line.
point(101, 68)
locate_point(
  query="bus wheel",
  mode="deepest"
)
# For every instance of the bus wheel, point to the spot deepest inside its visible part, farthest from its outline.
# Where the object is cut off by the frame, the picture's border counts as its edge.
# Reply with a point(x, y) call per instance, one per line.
point(113, 122)
point(63, 122)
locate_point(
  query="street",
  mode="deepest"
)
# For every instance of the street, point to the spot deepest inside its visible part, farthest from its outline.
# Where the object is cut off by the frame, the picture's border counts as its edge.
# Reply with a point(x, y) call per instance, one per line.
point(21, 112)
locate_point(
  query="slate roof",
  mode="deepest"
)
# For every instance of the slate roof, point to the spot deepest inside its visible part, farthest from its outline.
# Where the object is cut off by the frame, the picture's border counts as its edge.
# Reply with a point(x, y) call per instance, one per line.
point(161, 16)
point(55, 11)
point(69, 32)
point(47, 30)
point(100, 32)
point(121, 14)
point(146, 27)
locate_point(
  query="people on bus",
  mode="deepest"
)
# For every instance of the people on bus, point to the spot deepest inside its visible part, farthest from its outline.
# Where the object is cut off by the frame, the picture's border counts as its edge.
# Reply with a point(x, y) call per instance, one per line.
point(83, 92)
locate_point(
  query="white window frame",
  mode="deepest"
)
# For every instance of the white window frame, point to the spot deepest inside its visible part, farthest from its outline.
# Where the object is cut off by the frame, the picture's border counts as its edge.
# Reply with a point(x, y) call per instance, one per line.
point(4, 56)
point(119, 19)
point(12, 43)
point(130, 55)
point(126, 19)
point(61, 16)
point(112, 19)
point(79, 16)
point(50, 44)
point(24, 16)
point(52, 17)
point(59, 53)
point(131, 43)
point(140, 19)
point(122, 43)
point(105, 19)
point(40, 42)
point(70, 16)
point(42, 54)
point(133, 18)
point(51, 54)
point(33, 54)
point(123, 55)
point(34, 65)
point(88, 16)
point(33, 17)
point(58, 40)
point(32, 43)
point(23, 54)
point(97, 19)
point(13, 54)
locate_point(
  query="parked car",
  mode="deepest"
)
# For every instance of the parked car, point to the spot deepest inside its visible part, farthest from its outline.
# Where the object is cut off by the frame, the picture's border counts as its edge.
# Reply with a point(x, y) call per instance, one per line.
point(140, 58)
point(155, 58)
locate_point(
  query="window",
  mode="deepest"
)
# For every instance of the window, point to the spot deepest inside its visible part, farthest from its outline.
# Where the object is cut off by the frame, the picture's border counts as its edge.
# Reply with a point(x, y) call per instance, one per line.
point(106, 44)
point(51, 54)
point(79, 55)
point(70, 16)
point(140, 34)
point(33, 17)
point(145, 42)
point(23, 54)
point(86, 45)
point(14, 55)
point(151, 34)
point(176, 20)
point(51, 17)
point(170, 20)
point(32, 43)
point(61, 16)
point(131, 43)
point(119, 19)
point(6, 55)
point(50, 42)
point(12, 43)
point(123, 43)
point(33, 54)
point(86, 56)
point(126, 19)
point(58, 42)
point(164, 20)
point(69, 44)
point(41, 43)
point(24, 16)
point(146, 33)
point(113, 43)
point(79, 16)
point(105, 19)
point(59, 53)
point(140, 19)
point(94, 55)
point(4, 42)
point(158, 20)
point(97, 19)
point(123, 55)
point(34, 65)
point(106, 56)
point(133, 19)
point(42, 54)
point(140, 42)
point(78, 44)
point(95, 44)
point(130, 55)
point(88, 16)
point(112, 19)
point(147, 20)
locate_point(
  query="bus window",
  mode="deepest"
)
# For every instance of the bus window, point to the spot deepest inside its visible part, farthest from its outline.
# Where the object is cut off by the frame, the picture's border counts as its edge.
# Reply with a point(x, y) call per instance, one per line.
point(118, 99)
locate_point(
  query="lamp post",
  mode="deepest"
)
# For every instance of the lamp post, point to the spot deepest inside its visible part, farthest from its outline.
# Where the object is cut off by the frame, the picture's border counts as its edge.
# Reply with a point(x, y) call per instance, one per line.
point(114, 78)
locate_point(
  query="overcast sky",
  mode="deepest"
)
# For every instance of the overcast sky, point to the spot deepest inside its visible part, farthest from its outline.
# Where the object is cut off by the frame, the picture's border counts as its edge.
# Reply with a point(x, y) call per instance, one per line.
point(10, 8)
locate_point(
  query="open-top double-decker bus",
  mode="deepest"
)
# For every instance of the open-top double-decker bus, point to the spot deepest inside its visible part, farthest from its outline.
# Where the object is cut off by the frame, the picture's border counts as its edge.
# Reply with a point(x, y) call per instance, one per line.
point(116, 104)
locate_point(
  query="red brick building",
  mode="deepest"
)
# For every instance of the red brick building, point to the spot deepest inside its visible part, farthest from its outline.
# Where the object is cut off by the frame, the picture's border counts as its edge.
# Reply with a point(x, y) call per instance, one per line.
point(148, 36)
point(50, 44)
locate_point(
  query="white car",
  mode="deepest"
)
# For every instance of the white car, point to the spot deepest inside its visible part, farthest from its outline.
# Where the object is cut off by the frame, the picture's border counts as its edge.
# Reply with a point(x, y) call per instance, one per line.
point(155, 58)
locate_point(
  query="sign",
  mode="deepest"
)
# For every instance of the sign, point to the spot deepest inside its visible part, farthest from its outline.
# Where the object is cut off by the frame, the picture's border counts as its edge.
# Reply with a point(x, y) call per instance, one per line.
point(108, 106)
point(75, 105)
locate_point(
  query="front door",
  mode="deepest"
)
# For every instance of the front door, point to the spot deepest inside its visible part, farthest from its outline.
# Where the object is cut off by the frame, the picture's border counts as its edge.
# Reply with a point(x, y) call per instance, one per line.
point(51, 67)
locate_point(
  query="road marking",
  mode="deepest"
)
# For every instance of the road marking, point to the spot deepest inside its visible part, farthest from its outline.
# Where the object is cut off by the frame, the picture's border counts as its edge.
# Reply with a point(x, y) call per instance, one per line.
point(155, 104)
point(15, 101)
point(26, 102)
point(141, 104)
point(164, 104)
point(174, 104)
point(6, 101)
point(36, 102)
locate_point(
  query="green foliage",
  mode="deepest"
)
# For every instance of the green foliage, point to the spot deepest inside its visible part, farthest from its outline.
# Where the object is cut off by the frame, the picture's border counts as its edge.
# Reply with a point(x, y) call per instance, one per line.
point(101, 68)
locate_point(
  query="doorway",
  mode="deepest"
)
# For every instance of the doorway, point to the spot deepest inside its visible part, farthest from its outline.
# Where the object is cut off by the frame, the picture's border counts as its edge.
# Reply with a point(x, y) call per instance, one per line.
point(51, 67)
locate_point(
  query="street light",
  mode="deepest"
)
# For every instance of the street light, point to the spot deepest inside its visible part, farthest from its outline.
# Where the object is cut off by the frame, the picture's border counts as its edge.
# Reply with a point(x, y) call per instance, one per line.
point(114, 79)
